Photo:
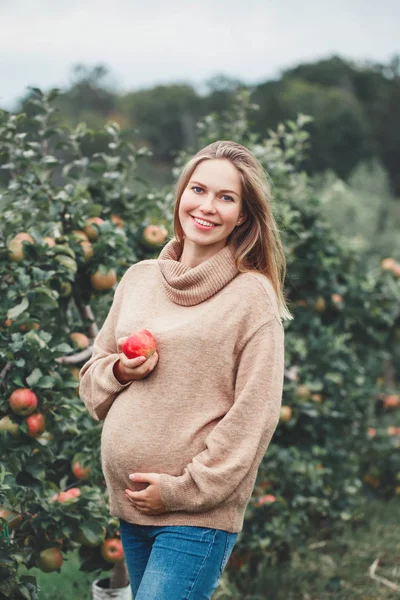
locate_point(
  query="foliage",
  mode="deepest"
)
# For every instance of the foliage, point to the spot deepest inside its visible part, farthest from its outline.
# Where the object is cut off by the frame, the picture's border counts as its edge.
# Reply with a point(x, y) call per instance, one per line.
point(363, 208)
point(48, 292)
point(354, 105)
point(346, 316)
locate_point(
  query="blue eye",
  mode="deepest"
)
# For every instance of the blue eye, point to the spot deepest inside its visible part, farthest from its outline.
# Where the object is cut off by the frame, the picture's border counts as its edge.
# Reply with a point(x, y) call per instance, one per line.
point(197, 187)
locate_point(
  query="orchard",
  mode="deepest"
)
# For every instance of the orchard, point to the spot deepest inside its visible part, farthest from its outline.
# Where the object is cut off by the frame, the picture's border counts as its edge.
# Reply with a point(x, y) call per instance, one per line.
point(73, 222)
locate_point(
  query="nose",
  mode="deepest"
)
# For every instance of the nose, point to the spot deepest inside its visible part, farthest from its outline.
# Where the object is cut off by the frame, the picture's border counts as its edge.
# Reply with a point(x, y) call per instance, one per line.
point(208, 203)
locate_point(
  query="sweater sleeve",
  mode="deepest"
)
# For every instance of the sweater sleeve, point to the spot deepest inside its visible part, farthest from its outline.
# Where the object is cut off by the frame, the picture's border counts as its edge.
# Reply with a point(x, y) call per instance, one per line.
point(98, 386)
point(240, 439)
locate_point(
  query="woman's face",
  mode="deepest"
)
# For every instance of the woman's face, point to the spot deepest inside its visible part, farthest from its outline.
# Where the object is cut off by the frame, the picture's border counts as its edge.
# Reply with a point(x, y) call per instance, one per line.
point(213, 194)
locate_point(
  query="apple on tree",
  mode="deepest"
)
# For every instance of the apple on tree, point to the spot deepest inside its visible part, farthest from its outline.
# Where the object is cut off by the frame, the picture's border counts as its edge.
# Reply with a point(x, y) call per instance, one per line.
point(16, 246)
point(285, 413)
point(80, 340)
point(153, 236)
point(50, 560)
point(23, 402)
point(92, 232)
point(36, 424)
point(101, 281)
point(118, 222)
point(79, 470)
point(112, 550)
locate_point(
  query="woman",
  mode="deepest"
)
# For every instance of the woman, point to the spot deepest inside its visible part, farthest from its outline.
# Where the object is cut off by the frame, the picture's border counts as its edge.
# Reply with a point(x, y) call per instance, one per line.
point(185, 430)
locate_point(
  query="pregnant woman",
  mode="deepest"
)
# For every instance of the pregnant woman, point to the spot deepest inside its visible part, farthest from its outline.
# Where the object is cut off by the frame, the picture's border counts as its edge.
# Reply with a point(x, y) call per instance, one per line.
point(185, 430)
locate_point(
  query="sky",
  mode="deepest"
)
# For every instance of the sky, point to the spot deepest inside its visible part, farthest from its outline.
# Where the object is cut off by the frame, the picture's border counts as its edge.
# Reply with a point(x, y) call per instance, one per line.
point(152, 42)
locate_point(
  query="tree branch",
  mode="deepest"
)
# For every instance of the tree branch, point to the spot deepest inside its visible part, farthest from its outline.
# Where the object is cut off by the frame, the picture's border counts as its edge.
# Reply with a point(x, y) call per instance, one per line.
point(86, 314)
point(387, 582)
point(74, 359)
point(4, 370)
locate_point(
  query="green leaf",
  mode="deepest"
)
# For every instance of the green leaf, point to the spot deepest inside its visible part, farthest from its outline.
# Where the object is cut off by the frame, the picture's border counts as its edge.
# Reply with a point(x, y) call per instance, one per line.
point(49, 301)
point(14, 312)
point(64, 348)
point(34, 377)
point(46, 382)
point(33, 337)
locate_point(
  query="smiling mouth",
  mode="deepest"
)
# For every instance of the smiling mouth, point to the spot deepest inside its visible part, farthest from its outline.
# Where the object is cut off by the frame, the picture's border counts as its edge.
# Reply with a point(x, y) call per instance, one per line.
point(211, 224)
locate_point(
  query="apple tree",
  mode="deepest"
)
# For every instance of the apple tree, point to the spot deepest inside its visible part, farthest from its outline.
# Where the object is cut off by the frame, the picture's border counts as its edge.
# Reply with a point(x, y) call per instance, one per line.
point(345, 312)
point(72, 223)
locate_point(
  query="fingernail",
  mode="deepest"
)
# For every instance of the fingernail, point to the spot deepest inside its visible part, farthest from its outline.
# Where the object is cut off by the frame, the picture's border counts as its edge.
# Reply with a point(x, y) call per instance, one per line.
point(132, 476)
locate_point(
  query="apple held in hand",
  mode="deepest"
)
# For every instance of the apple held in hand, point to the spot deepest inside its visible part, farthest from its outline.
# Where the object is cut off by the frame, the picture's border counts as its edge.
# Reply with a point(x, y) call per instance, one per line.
point(140, 343)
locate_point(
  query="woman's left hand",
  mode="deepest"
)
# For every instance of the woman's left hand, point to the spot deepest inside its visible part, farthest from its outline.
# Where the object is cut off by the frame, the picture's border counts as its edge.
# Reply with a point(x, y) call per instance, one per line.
point(147, 500)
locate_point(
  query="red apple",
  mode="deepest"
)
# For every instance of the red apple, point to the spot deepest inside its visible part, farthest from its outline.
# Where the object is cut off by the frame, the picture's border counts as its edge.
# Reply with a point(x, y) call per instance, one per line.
point(79, 471)
point(29, 326)
point(266, 499)
point(286, 413)
point(153, 236)
point(80, 340)
point(388, 263)
point(79, 236)
point(337, 298)
point(24, 237)
point(118, 222)
point(140, 343)
point(101, 282)
point(87, 250)
point(316, 397)
point(23, 402)
point(16, 247)
point(36, 424)
point(67, 495)
point(13, 518)
point(92, 232)
point(391, 401)
point(50, 559)
point(112, 550)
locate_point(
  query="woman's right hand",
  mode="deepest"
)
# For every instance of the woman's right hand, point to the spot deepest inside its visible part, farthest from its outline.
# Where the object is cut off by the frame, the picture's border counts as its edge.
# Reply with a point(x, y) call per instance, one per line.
point(130, 369)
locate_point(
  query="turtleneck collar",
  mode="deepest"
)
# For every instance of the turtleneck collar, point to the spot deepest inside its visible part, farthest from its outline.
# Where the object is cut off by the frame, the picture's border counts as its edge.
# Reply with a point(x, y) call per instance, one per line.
point(188, 286)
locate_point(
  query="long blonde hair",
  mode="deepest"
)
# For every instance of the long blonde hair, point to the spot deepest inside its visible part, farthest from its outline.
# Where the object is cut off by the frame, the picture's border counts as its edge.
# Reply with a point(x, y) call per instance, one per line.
point(257, 243)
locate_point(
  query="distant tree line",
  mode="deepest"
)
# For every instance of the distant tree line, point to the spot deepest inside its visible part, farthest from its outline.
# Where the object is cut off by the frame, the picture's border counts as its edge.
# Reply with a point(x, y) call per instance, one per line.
point(355, 109)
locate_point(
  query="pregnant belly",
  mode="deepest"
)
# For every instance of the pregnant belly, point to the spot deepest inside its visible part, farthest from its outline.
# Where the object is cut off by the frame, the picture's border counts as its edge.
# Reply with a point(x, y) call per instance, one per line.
point(134, 440)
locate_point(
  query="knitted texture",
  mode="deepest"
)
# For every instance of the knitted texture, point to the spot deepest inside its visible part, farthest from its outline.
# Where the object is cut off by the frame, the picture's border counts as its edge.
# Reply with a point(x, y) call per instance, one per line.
point(206, 414)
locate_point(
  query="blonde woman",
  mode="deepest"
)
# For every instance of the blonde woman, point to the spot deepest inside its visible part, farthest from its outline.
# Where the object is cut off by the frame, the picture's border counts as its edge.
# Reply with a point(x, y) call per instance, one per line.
point(185, 430)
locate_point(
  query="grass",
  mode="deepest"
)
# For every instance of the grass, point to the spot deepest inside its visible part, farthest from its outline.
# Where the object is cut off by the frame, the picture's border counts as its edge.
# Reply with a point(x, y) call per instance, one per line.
point(339, 569)
point(71, 583)
point(336, 570)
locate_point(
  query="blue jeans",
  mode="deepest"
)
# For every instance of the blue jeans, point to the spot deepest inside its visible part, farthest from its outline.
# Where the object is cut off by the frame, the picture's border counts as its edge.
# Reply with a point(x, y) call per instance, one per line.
point(175, 562)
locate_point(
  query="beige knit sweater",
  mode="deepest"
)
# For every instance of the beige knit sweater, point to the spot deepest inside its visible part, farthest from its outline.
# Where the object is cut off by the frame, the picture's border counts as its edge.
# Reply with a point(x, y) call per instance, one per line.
point(206, 414)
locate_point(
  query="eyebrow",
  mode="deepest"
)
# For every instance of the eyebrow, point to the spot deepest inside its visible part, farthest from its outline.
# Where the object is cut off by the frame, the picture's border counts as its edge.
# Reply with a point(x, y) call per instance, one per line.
point(204, 186)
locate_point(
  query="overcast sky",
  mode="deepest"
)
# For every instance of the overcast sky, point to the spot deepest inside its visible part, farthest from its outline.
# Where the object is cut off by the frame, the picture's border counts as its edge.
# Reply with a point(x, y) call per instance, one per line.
point(160, 41)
